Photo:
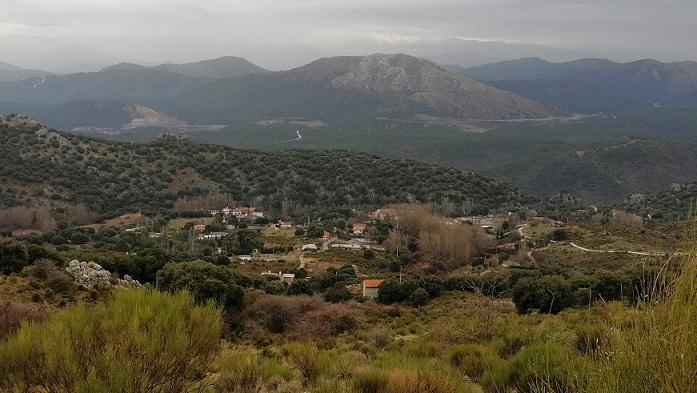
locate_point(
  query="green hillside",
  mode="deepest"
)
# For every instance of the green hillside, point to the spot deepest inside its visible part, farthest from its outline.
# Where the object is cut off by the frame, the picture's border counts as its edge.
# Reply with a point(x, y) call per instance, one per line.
point(40, 167)
point(572, 95)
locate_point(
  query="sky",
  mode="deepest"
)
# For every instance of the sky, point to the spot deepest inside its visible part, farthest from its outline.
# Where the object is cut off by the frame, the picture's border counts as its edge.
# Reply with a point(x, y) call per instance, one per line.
point(55, 34)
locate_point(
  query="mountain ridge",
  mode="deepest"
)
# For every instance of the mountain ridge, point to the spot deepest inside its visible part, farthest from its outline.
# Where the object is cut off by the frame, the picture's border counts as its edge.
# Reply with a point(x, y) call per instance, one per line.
point(646, 79)
point(393, 84)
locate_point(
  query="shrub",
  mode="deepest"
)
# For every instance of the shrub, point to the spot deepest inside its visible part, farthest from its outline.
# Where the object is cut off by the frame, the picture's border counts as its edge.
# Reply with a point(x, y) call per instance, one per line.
point(13, 256)
point(657, 352)
point(548, 294)
point(337, 294)
point(12, 316)
point(418, 298)
point(204, 280)
point(300, 287)
point(370, 381)
point(390, 291)
point(593, 340)
point(547, 367)
point(475, 360)
point(140, 341)
point(427, 381)
point(60, 282)
point(368, 254)
point(306, 358)
point(300, 317)
point(239, 372)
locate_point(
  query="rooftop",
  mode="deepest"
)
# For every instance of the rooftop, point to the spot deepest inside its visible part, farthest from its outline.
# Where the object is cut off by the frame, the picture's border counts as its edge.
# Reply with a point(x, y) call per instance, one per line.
point(372, 283)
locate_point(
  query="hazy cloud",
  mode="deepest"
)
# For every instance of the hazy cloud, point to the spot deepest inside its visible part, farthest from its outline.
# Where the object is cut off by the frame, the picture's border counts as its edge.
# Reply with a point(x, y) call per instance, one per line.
point(184, 30)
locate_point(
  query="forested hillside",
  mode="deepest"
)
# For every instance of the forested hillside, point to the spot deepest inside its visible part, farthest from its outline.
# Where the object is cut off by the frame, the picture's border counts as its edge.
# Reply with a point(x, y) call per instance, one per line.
point(41, 167)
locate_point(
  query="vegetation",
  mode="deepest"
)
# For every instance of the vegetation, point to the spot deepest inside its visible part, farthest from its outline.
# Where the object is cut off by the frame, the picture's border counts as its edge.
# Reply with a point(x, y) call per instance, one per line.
point(43, 169)
point(141, 341)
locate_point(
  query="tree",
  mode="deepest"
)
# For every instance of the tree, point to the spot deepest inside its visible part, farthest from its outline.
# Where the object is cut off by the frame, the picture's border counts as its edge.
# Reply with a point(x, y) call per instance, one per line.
point(559, 235)
point(141, 341)
point(548, 294)
point(418, 298)
point(204, 280)
point(13, 256)
point(390, 291)
point(300, 287)
point(368, 254)
point(337, 294)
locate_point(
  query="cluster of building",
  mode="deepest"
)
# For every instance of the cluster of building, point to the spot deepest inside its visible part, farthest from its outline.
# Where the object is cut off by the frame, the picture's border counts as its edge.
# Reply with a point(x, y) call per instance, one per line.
point(283, 277)
point(238, 212)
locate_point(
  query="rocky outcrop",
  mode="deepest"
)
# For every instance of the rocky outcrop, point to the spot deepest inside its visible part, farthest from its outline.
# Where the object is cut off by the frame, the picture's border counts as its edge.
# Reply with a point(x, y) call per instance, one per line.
point(92, 275)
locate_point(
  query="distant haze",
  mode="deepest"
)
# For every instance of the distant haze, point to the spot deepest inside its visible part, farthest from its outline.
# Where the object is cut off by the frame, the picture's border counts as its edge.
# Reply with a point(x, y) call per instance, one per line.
point(84, 35)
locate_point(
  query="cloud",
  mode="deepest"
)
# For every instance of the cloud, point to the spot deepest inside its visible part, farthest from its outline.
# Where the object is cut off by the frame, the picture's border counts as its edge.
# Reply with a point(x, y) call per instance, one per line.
point(155, 30)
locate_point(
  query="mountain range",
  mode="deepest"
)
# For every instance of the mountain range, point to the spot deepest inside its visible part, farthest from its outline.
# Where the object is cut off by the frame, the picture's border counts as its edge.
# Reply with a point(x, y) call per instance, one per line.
point(352, 87)
point(618, 85)
point(222, 67)
point(522, 130)
point(229, 90)
point(11, 72)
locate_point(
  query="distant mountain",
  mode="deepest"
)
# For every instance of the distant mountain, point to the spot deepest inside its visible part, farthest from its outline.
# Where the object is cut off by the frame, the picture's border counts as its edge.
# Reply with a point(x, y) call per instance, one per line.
point(356, 86)
point(59, 170)
point(120, 83)
point(572, 95)
point(645, 80)
point(10, 72)
point(124, 67)
point(222, 67)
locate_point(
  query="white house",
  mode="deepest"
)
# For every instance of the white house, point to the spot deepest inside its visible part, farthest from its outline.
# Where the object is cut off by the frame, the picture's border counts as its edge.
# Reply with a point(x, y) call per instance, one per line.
point(283, 277)
point(212, 235)
point(310, 247)
point(245, 258)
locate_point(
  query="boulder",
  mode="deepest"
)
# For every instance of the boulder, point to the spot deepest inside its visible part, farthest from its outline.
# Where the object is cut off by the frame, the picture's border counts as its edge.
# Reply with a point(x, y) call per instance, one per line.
point(92, 275)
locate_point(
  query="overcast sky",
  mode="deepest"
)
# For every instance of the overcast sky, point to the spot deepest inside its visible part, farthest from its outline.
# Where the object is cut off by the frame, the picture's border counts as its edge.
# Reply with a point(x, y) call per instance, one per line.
point(281, 33)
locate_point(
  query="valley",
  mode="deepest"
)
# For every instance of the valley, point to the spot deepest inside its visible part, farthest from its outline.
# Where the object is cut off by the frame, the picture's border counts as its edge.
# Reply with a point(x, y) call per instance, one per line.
point(359, 224)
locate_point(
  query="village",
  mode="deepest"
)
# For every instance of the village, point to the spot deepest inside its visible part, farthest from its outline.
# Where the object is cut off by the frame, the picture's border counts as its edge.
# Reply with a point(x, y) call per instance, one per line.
point(287, 250)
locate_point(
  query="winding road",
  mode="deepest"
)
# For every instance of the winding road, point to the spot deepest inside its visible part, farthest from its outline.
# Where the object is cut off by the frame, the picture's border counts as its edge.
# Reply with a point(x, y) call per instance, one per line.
point(299, 137)
point(574, 245)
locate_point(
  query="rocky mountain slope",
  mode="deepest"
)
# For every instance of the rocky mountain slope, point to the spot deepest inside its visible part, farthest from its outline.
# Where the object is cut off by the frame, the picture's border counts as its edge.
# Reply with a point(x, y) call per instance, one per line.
point(357, 86)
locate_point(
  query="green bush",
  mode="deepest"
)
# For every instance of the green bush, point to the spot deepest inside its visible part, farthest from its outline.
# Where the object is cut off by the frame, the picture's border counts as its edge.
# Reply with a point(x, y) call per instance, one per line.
point(204, 280)
point(13, 256)
point(475, 360)
point(547, 294)
point(370, 381)
point(140, 341)
point(300, 287)
point(418, 298)
point(546, 367)
point(337, 294)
